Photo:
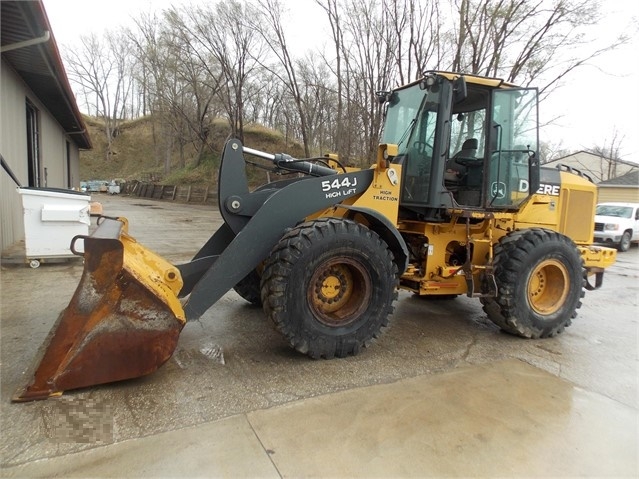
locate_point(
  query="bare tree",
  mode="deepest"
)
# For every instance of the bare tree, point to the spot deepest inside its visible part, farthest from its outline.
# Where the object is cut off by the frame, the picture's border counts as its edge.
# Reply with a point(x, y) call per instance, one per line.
point(158, 83)
point(610, 155)
point(102, 70)
point(200, 80)
point(321, 98)
point(272, 31)
point(417, 27)
point(221, 33)
point(525, 42)
point(341, 133)
point(373, 68)
point(230, 56)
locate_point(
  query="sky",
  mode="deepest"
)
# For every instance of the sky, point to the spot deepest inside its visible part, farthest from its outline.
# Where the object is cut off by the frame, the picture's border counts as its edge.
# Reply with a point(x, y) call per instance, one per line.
point(593, 105)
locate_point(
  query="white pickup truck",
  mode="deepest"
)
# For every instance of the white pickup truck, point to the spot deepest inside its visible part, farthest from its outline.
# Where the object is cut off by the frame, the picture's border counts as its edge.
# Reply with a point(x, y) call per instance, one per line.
point(617, 223)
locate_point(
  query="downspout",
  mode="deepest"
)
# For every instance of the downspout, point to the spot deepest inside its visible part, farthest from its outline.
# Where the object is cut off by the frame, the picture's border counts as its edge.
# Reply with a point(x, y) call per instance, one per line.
point(27, 43)
point(46, 36)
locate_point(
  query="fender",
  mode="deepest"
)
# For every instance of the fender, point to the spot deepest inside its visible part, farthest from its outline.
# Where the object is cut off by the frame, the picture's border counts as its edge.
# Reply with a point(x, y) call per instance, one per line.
point(387, 231)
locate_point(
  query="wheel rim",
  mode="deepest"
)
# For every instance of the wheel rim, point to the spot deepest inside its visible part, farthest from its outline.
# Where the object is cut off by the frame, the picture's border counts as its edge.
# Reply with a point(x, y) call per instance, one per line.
point(548, 287)
point(339, 291)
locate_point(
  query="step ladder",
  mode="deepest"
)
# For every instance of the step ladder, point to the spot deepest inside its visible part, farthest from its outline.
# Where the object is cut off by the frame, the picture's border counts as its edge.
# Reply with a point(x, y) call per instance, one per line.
point(488, 287)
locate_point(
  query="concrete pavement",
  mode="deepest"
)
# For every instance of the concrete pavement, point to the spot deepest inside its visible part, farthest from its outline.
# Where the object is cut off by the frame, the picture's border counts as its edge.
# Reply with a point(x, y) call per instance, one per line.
point(506, 419)
point(442, 393)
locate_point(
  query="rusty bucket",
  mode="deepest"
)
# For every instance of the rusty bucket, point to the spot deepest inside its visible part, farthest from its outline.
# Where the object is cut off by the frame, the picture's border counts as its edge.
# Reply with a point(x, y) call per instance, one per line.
point(123, 320)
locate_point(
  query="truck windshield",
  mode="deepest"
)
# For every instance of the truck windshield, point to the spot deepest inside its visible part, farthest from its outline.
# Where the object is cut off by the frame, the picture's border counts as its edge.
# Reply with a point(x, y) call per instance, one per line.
point(614, 210)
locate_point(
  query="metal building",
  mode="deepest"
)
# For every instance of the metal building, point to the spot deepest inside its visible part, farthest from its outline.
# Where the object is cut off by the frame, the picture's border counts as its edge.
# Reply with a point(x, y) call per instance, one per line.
point(41, 128)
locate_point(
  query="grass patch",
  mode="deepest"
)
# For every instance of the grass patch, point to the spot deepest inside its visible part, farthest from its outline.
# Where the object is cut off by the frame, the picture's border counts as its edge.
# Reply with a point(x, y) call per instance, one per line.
point(205, 173)
point(137, 153)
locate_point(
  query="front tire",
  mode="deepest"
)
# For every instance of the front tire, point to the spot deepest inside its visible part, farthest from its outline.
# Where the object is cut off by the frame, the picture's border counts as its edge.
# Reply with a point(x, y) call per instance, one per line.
point(540, 283)
point(329, 287)
point(624, 244)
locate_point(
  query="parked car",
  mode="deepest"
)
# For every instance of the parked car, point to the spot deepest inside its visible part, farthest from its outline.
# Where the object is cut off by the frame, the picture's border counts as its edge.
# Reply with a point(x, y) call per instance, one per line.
point(617, 223)
point(94, 186)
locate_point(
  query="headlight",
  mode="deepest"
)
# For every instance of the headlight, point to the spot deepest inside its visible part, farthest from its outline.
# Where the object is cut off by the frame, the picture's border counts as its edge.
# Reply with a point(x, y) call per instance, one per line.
point(611, 227)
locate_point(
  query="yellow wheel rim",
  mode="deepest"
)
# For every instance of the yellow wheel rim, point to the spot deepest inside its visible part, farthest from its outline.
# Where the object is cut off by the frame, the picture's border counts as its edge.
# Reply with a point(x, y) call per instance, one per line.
point(548, 287)
point(339, 291)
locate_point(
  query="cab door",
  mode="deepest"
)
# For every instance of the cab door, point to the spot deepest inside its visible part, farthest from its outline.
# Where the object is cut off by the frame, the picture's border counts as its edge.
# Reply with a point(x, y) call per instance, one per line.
point(513, 165)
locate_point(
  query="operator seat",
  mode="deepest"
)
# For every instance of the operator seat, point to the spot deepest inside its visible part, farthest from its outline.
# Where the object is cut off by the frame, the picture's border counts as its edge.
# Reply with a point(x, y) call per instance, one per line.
point(456, 171)
point(468, 149)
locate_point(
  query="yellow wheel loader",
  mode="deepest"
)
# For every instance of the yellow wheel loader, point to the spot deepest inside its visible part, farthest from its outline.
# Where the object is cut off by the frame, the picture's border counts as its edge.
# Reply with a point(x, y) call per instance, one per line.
point(456, 203)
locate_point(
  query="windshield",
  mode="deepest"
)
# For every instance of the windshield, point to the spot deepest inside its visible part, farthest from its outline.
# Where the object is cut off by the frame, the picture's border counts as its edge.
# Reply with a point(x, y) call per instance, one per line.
point(614, 210)
point(401, 115)
point(411, 123)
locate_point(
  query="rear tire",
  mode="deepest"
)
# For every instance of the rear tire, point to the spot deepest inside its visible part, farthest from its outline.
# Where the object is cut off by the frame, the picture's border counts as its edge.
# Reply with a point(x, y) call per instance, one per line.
point(329, 287)
point(540, 283)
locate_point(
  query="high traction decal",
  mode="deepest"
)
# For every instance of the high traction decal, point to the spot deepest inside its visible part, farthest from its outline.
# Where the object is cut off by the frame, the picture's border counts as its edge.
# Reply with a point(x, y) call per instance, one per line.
point(385, 195)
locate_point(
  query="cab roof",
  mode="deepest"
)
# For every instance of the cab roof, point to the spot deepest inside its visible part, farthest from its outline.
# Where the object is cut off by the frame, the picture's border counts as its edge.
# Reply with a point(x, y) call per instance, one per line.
point(469, 77)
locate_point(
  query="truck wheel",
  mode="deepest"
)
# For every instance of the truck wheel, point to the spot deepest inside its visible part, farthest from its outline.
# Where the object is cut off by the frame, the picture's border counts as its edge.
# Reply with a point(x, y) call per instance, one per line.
point(624, 244)
point(249, 288)
point(540, 283)
point(329, 287)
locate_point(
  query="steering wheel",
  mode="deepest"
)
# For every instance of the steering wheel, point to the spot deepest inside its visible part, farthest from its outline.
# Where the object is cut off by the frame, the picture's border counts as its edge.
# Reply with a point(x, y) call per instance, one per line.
point(468, 161)
point(421, 147)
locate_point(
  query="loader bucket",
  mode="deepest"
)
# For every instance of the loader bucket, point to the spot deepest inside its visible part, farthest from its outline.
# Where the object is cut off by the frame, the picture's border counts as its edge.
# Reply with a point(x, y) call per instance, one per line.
point(123, 320)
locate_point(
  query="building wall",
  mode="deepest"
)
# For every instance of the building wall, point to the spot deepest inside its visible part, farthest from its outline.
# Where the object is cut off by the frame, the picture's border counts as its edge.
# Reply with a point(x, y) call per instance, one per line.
point(628, 194)
point(53, 156)
point(13, 147)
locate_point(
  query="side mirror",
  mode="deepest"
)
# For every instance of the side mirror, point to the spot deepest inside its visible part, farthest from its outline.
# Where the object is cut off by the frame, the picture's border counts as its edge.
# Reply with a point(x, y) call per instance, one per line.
point(459, 90)
point(533, 172)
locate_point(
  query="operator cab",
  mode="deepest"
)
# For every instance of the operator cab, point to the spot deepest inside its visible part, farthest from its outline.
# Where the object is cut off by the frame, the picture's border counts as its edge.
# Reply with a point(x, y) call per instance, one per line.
point(463, 142)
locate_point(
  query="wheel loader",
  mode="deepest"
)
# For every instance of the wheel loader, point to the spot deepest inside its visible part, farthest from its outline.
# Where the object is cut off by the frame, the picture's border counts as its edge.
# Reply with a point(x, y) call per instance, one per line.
point(455, 203)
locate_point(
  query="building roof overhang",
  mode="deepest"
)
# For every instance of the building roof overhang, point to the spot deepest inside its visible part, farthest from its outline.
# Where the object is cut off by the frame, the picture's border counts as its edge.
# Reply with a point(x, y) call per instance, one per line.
point(28, 45)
